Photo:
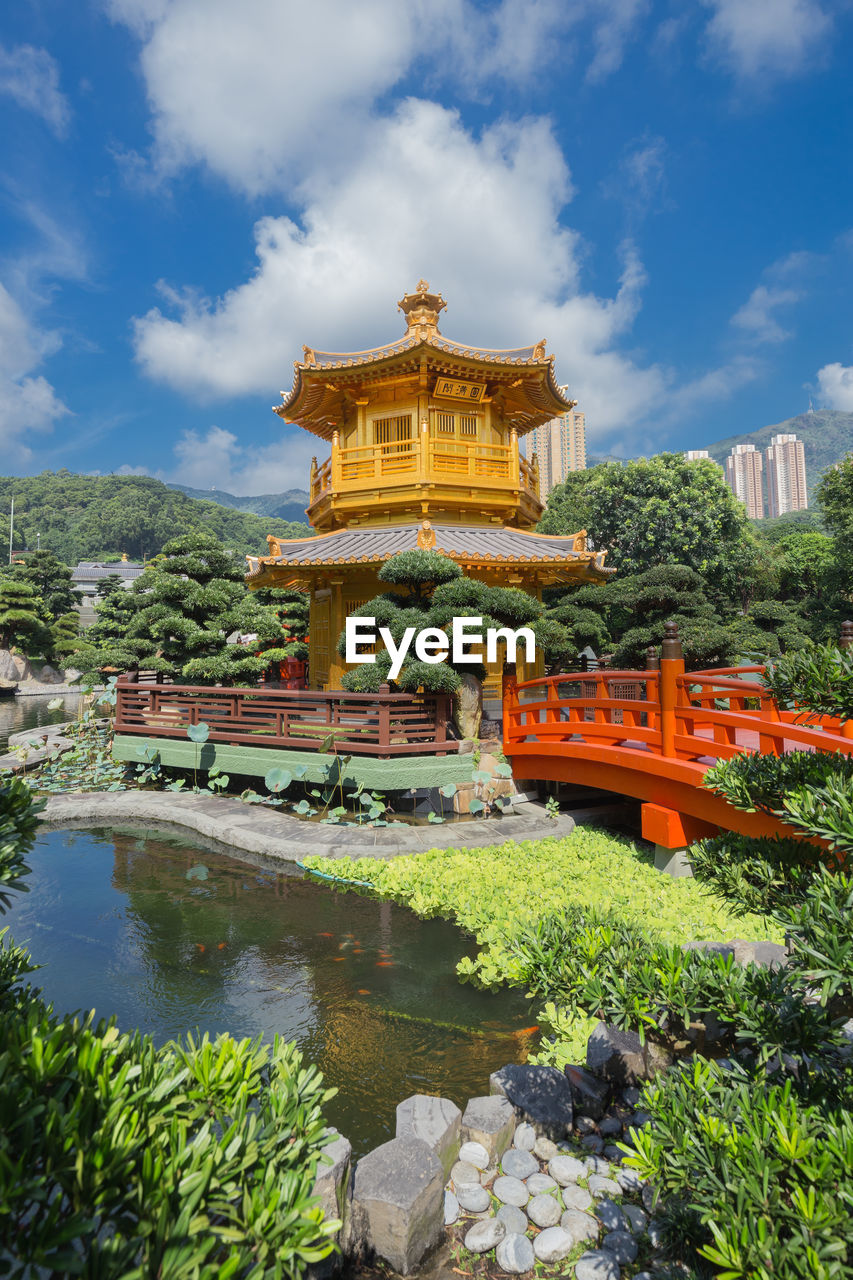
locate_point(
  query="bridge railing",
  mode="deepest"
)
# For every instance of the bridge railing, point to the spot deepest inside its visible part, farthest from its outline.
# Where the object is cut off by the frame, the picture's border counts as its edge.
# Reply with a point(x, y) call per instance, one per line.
point(584, 705)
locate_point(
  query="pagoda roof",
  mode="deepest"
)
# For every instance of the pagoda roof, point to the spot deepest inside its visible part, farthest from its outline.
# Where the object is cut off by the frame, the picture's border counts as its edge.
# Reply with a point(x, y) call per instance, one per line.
point(471, 546)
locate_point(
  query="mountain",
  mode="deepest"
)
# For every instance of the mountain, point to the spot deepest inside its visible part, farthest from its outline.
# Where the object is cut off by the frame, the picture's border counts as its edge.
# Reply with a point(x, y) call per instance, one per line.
point(827, 436)
point(284, 506)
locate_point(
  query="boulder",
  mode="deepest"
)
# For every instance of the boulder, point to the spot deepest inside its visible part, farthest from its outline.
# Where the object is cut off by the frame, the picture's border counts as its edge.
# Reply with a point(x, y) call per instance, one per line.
point(590, 1095)
point(490, 1121)
point(398, 1202)
point(8, 668)
point(620, 1058)
point(49, 675)
point(770, 955)
point(22, 666)
point(541, 1095)
point(436, 1121)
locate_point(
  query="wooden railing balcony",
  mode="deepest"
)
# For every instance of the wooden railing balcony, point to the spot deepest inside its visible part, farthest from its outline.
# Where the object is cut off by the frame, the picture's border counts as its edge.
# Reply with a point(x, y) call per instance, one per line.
point(381, 724)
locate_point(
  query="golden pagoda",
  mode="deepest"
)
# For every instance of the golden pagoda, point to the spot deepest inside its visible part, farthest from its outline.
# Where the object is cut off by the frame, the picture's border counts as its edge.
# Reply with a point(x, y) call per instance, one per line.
point(423, 436)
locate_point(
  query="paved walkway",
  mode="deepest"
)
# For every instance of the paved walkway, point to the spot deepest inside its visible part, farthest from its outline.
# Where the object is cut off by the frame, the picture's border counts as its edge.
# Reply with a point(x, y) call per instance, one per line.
point(257, 829)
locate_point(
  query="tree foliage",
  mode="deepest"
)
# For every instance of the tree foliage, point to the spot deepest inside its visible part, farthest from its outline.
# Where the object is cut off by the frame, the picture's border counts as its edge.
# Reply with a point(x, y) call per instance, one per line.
point(24, 620)
point(50, 579)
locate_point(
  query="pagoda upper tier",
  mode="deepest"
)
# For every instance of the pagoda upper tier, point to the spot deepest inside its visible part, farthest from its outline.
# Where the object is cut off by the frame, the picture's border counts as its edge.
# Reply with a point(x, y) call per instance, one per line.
point(423, 426)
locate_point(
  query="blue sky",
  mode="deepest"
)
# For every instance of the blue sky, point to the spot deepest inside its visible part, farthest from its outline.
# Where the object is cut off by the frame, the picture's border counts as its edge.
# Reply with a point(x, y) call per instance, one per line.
point(192, 189)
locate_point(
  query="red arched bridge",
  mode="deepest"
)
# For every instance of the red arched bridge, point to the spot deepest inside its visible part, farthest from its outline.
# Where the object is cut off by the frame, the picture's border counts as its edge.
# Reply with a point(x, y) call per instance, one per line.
point(653, 734)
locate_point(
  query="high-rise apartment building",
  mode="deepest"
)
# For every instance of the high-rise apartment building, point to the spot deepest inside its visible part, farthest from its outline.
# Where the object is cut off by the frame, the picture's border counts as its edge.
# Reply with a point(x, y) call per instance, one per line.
point(693, 455)
point(786, 475)
point(560, 447)
point(743, 476)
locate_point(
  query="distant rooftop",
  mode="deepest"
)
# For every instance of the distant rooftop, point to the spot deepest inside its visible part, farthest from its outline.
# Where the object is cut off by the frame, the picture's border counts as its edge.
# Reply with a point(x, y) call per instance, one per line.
point(92, 570)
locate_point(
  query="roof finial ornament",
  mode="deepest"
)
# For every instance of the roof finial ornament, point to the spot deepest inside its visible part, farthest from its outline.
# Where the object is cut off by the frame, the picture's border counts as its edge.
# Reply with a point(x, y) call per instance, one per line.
point(422, 310)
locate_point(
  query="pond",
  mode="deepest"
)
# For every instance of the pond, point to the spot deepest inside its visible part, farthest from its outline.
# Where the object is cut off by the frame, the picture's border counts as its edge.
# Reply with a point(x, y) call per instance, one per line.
point(171, 936)
point(31, 711)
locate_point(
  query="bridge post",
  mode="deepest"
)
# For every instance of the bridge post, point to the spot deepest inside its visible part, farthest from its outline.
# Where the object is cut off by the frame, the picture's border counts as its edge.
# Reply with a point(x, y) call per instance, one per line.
point(671, 667)
point(652, 659)
point(846, 642)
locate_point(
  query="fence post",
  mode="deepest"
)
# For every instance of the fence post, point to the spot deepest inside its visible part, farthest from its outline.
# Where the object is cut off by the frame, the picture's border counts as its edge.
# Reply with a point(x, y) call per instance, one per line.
point(845, 642)
point(509, 696)
point(652, 659)
point(384, 720)
point(671, 667)
point(441, 712)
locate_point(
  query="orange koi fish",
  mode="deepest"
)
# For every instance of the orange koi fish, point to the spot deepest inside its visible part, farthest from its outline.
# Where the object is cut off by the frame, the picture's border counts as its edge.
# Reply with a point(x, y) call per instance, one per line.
point(220, 946)
point(325, 935)
point(201, 946)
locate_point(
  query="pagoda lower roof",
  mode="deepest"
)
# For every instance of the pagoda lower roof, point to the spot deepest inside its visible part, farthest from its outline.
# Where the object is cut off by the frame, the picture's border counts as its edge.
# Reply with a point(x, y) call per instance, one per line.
point(475, 545)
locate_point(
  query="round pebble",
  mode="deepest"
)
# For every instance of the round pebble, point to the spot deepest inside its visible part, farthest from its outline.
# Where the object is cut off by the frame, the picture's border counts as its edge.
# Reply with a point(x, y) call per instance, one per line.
point(629, 1179)
point(650, 1197)
point(595, 1164)
point(580, 1226)
point(609, 1126)
point(639, 1119)
point(583, 1124)
point(614, 1153)
point(603, 1186)
point(544, 1211)
point(552, 1244)
point(511, 1191)
point(525, 1137)
point(566, 1169)
point(597, 1265)
point(451, 1208)
point(474, 1153)
point(644, 1275)
point(518, 1164)
point(515, 1255)
point(473, 1199)
point(611, 1215)
point(538, 1183)
point(637, 1220)
point(631, 1096)
point(463, 1172)
point(575, 1197)
point(592, 1142)
point(545, 1149)
point(513, 1219)
point(622, 1245)
point(655, 1232)
point(485, 1235)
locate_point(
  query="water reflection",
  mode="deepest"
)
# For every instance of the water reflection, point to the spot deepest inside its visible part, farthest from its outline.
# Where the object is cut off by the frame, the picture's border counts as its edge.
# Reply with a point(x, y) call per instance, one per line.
point(20, 713)
point(171, 937)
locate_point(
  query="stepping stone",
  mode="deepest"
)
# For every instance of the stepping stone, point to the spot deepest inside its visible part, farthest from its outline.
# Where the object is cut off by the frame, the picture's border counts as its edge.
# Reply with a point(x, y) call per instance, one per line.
point(525, 1137)
point(435, 1121)
point(474, 1153)
point(580, 1226)
point(491, 1121)
point(539, 1183)
point(513, 1219)
point(575, 1197)
point(597, 1265)
point(566, 1169)
point(515, 1255)
point(603, 1186)
point(485, 1235)
point(398, 1202)
point(451, 1208)
point(463, 1173)
point(473, 1199)
point(544, 1149)
point(542, 1095)
point(544, 1211)
point(611, 1215)
point(637, 1220)
point(622, 1245)
point(518, 1164)
point(511, 1191)
point(553, 1244)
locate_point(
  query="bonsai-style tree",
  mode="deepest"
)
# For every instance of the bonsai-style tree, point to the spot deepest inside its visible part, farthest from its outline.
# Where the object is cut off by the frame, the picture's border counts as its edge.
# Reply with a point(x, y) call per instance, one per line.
point(292, 608)
point(112, 583)
point(24, 620)
point(50, 579)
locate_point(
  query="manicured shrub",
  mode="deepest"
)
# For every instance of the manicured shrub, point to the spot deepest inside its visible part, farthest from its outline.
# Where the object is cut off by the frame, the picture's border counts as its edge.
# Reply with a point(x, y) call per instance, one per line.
point(755, 874)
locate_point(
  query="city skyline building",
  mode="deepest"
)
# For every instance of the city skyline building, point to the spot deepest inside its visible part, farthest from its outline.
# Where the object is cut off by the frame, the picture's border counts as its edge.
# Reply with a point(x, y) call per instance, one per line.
point(693, 455)
point(743, 476)
point(785, 464)
point(559, 446)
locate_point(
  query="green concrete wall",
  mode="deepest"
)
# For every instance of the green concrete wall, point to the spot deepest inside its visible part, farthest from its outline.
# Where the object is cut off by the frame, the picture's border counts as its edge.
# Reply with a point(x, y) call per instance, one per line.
point(398, 774)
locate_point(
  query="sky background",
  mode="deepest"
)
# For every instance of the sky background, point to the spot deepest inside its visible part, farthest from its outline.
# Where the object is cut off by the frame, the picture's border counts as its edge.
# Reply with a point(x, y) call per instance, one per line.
point(192, 189)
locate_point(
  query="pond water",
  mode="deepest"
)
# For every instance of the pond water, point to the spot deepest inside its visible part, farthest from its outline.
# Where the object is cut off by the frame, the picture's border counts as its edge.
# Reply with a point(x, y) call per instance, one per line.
point(171, 936)
point(20, 713)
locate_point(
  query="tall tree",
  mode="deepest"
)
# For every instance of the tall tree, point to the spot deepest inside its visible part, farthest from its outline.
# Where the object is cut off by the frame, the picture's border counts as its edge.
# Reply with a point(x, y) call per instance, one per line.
point(50, 579)
point(24, 620)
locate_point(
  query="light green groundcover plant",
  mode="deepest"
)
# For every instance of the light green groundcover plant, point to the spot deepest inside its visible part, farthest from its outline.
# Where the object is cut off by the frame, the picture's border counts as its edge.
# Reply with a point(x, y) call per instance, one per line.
point(500, 892)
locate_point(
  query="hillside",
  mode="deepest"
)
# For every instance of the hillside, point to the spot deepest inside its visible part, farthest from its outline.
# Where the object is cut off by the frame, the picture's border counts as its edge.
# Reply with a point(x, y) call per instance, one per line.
point(284, 506)
point(827, 436)
point(96, 517)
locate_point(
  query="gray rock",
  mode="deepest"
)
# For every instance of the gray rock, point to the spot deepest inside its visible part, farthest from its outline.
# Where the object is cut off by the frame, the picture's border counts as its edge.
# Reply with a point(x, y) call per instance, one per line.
point(610, 1214)
point(631, 1096)
point(544, 1211)
point(539, 1184)
point(580, 1226)
point(592, 1142)
point(619, 1057)
point(544, 1149)
point(331, 1185)
point(513, 1218)
point(473, 1199)
point(511, 1191)
point(518, 1164)
point(629, 1179)
point(655, 1233)
point(595, 1164)
point(485, 1235)
point(398, 1201)
point(639, 1120)
point(610, 1126)
point(566, 1169)
point(614, 1153)
point(650, 1197)
point(597, 1264)
point(637, 1220)
point(643, 1275)
point(490, 1121)
point(724, 949)
point(8, 670)
point(49, 675)
point(525, 1137)
point(463, 1174)
point(575, 1197)
point(589, 1094)
point(542, 1095)
point(770, 955)
point(515, 1255)
point(552, 1244)
point(622, 1245)
point(584, 1125)
point(603, 1186)
point(451, 1208)
point(436, 1121)
point(474, 1153)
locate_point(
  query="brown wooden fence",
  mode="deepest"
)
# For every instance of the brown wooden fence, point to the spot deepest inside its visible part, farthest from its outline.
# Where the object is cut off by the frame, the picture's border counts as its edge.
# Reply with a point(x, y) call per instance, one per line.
point(368, 724)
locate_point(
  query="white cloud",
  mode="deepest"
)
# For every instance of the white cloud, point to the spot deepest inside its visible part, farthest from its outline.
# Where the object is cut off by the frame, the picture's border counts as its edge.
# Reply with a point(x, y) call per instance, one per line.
point(31, 77)
point(756, 317)
point(835, 382)
point(767, 38)
point(28, 403)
